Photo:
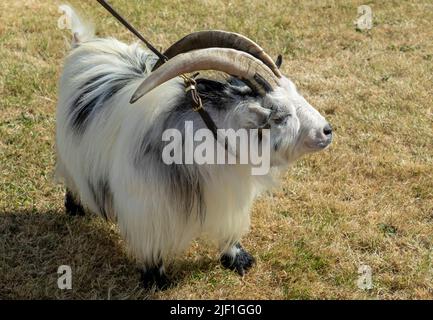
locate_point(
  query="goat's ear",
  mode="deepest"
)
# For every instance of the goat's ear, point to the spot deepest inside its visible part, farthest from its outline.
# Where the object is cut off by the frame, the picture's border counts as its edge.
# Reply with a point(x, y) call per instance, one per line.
point(257, 116)
point(279, 61)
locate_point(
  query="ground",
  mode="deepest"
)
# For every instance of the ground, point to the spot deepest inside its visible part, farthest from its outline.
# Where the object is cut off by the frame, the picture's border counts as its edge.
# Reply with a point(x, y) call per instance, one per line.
point(367, 200)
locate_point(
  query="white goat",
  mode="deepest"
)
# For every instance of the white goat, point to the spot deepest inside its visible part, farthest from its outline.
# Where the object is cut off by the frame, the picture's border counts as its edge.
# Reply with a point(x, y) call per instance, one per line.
point(109, 150)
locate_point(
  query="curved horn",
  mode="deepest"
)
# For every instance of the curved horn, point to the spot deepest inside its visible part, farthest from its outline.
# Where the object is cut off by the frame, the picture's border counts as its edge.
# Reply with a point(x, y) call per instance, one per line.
point(234, 62)
point(219, 39)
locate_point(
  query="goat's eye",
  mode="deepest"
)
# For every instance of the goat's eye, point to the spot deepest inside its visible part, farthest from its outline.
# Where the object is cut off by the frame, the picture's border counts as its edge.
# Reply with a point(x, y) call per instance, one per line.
point(279, 120)
point(282, 119)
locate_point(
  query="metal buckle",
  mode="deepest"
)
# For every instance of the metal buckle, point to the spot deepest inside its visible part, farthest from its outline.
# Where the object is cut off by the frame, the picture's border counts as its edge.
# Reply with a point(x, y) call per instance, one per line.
point(199, 107)
point(190, 87)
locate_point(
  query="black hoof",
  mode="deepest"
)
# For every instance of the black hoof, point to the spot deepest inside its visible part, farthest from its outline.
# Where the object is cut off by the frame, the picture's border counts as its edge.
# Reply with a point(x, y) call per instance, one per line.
point(241, 262)
point(154, 278)
point(73, 208)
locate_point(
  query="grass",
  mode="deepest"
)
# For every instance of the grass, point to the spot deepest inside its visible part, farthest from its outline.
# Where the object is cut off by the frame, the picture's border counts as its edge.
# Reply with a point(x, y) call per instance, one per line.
point(366, 200)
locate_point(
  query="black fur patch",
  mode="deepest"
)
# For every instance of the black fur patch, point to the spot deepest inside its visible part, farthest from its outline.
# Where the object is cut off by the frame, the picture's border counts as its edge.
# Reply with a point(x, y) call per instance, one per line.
point(241, 263)
point(83, 107)
point(72, 206)
point(213, 95)
point(102, 195)
point(184, 186)
point(152, 277)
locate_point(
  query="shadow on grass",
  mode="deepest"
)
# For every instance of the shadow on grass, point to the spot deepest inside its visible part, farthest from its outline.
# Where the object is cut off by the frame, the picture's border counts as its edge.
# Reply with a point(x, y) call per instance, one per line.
point(191, 270)
point(34, 244)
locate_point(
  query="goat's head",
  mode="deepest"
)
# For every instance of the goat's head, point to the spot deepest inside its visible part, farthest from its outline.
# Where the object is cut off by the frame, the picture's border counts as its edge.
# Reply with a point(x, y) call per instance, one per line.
point(296, 127)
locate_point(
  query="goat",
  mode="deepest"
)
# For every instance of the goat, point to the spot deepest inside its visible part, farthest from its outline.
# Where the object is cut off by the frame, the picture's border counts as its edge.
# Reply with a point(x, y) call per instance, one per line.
point(109, 150)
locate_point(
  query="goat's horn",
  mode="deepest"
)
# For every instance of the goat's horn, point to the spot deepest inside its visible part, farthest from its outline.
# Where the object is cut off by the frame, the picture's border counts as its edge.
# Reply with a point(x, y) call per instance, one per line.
point(219, 39)
point(234, 62)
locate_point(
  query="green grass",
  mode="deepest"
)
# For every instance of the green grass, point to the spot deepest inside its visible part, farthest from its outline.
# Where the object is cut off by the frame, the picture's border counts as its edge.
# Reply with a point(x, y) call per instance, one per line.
point(366, 200)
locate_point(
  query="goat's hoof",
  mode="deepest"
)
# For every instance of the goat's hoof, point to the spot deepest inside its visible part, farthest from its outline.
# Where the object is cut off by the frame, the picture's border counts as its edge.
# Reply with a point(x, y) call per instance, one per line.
point(154, 278)
point(241, 263)
point(73, 208)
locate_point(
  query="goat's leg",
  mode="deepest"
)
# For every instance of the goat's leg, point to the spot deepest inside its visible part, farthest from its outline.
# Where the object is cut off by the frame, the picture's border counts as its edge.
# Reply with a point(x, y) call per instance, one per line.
point(154, 276)
point(236, 258)
point(73, 207)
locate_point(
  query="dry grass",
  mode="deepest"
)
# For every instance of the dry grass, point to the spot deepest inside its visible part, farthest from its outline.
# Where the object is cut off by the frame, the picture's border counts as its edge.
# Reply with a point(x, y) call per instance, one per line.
point(368, 199)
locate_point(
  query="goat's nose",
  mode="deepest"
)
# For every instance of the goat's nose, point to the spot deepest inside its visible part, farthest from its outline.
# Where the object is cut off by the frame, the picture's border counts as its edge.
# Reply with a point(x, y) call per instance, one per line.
point(327, 130)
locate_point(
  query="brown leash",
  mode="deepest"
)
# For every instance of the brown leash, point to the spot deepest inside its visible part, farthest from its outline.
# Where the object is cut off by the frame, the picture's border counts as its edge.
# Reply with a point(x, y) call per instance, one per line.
point(123, 21)
point(197, 104)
